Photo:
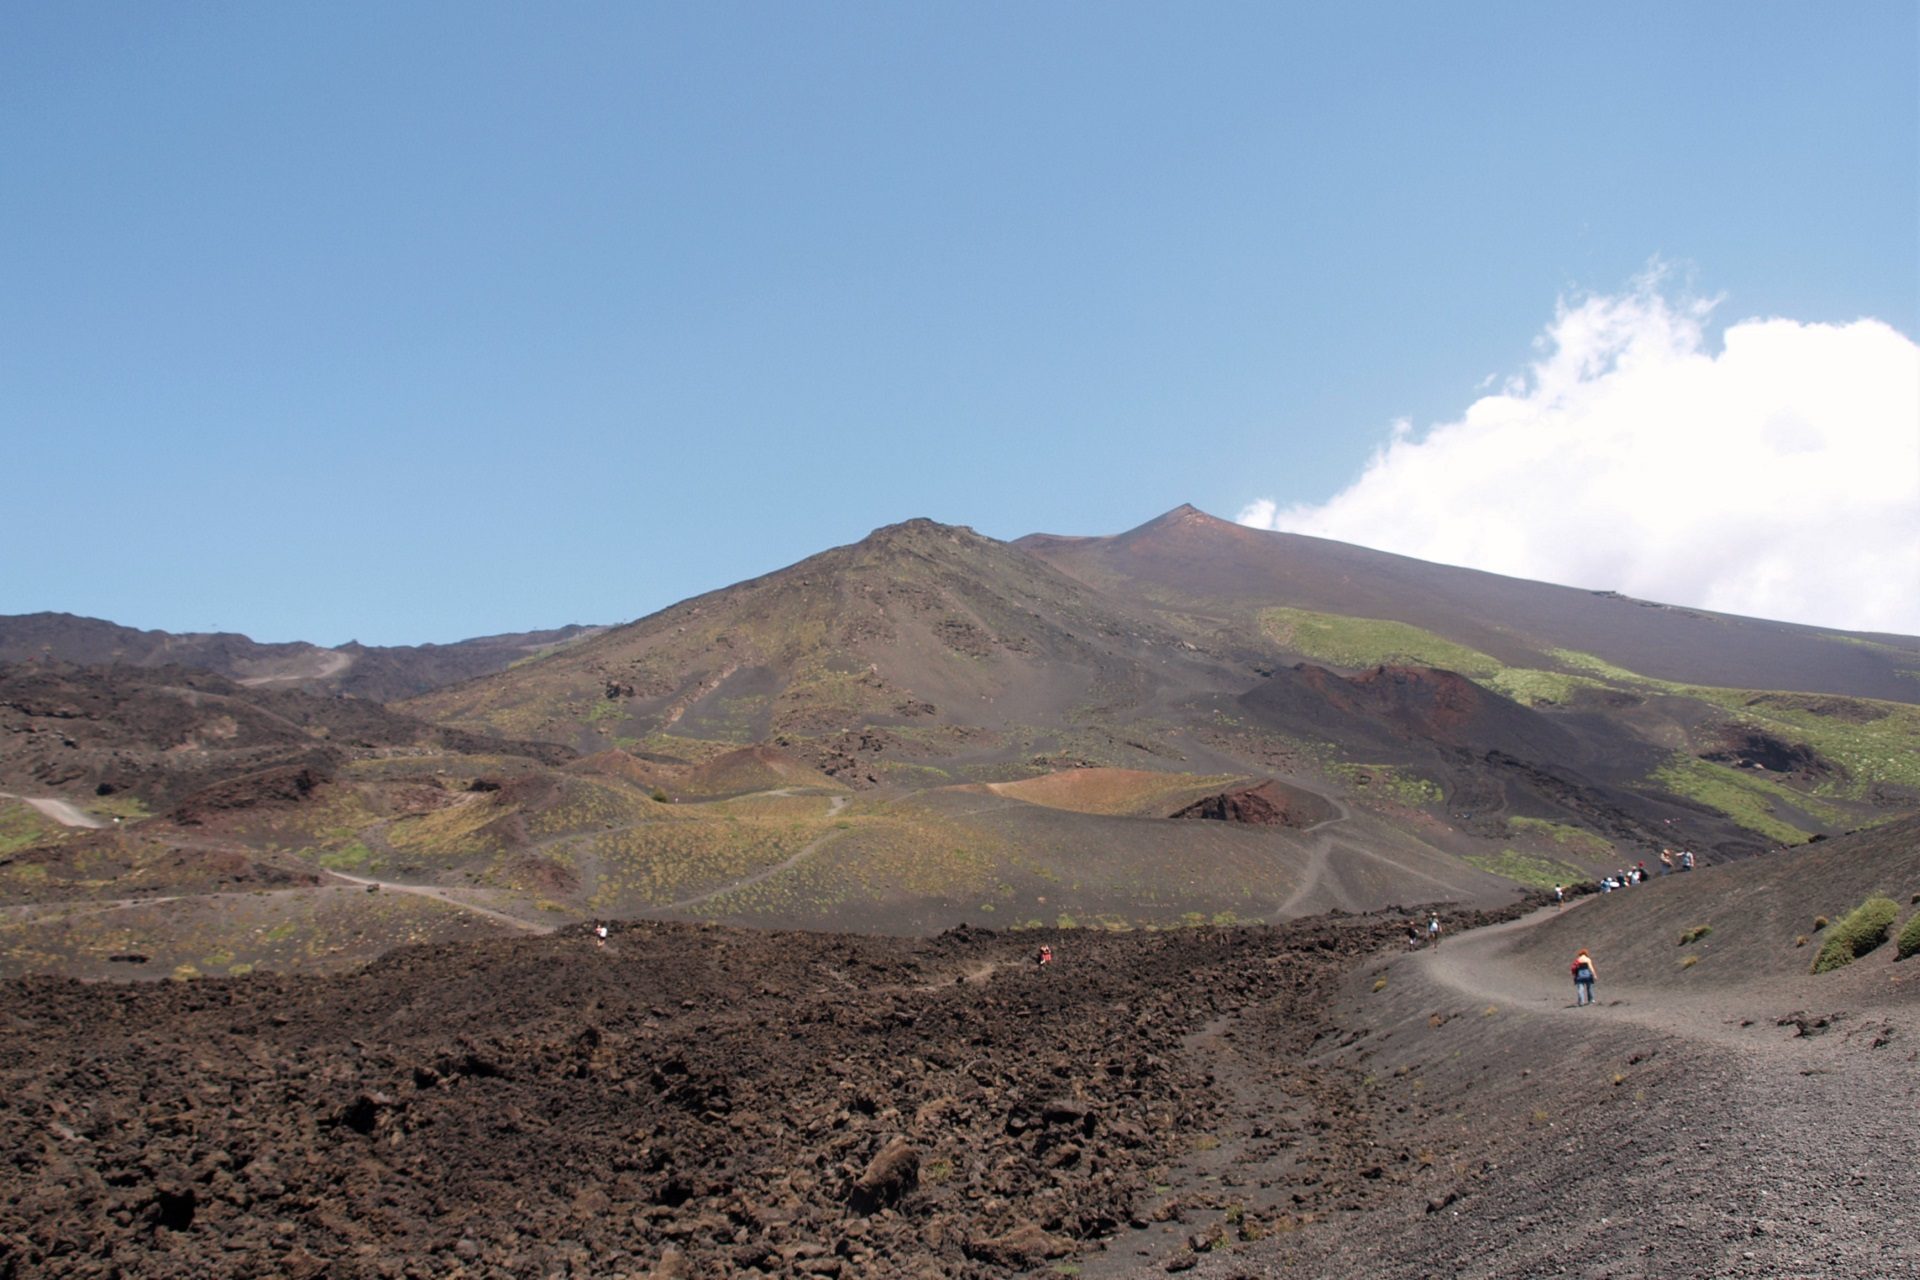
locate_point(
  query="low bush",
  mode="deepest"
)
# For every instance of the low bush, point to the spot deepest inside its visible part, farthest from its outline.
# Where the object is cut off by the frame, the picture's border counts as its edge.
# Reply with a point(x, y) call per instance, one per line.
point(1694, 934)
point(1819, 923)
point(1689, 962)
point(1909, 943)
point(1858, 932)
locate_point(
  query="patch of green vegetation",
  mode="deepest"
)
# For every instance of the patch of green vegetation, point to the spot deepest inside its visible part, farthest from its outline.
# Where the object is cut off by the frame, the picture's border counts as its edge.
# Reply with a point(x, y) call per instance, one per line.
point(1871, 740)
point(1367, 642)
point(604, 709)
point(1384, 781)
point(1597, 666)
point(1874, 742)
point(1533, 687)
point(548, 650)
point(675, 746)
point(1526, 868)
point(444, 832)
point(22, 827)
point(1694, 934)
point(346, 858)
point(1909, 943)
point(1857, 933)
point(1748, 800)
point(1573, 839)
point(128, 808)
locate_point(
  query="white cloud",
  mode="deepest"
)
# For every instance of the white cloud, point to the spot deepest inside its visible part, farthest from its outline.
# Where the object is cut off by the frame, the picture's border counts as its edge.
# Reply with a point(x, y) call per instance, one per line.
point(1778, 478)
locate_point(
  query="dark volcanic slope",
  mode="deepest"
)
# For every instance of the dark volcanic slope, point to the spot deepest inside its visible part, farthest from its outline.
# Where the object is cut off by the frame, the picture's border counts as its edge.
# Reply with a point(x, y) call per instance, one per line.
point(1494, 758)
point(921, 628)
point(1188, 560)
point(162, 732)
point(378, 672)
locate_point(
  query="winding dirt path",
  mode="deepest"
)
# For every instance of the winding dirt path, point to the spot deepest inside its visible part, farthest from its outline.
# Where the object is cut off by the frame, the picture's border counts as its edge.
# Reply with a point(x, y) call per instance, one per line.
point(1319, 858)
point(332, 664)
point(1476, 965)
point(1662, 1134)
point(747, 882)
point(443, 895)
point(59, 810)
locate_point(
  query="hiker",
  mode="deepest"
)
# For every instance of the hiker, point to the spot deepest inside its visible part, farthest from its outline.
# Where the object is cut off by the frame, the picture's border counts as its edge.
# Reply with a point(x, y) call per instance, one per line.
point(1413, 936)
point(600, 935)
point(1433, 929)
point(1686, 859)
point(1666, 862)
point(1046, 955)
point(1559, 897)
point(1582, 978)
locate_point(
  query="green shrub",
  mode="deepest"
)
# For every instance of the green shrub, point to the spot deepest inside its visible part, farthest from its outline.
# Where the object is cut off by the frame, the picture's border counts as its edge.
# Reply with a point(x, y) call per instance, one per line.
point(1696, 933)
point(1858, 932)
point(1909, 943)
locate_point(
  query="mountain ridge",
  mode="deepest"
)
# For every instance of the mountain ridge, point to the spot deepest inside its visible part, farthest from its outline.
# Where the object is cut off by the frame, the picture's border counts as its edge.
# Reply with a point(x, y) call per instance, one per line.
point(846, 743)
point(381, 672)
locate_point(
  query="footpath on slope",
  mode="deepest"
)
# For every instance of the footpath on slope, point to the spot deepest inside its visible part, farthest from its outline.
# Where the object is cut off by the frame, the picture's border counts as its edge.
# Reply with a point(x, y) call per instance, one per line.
point(59, 810)
point(1661, 1134)
point(438, 894)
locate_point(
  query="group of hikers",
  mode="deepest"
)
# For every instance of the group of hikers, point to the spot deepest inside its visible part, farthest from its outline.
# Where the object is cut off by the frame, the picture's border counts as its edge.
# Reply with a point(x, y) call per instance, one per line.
point(1627, 877)
point(1430, 932)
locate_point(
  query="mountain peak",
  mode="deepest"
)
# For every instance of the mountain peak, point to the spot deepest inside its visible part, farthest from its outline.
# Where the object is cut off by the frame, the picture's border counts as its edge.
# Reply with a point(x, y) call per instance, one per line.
point(1187, 521)
point(917, 532)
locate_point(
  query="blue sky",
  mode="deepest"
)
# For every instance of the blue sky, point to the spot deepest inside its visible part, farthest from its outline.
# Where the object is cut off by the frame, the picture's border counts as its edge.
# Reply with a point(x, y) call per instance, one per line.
point(414, 322)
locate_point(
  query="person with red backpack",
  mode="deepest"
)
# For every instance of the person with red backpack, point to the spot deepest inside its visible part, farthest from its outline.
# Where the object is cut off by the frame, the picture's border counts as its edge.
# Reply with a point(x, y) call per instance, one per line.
point(1582, 978)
